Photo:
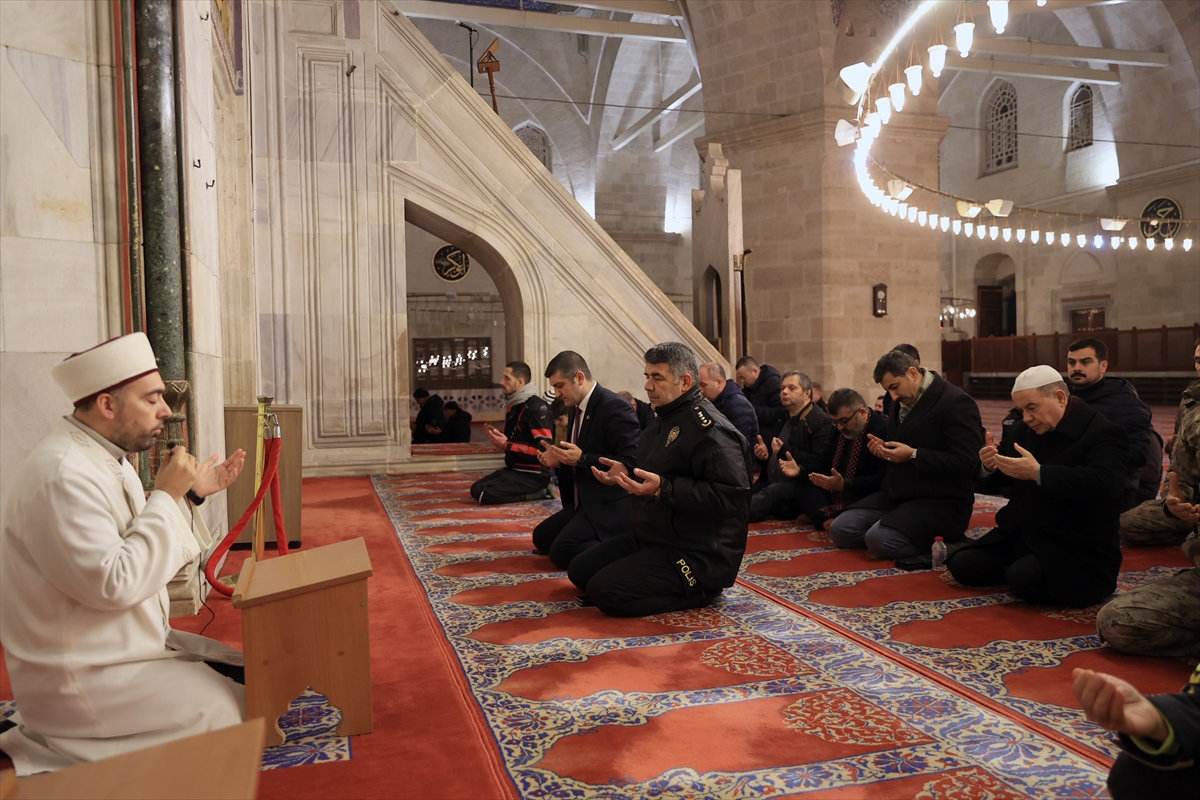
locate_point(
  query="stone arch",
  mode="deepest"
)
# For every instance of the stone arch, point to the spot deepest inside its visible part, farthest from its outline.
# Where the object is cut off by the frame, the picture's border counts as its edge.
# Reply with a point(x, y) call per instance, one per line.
point(483, 252)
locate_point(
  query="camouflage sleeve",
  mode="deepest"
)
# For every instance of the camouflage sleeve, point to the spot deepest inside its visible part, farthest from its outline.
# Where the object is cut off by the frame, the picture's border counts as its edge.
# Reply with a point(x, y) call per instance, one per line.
point(1185, 455)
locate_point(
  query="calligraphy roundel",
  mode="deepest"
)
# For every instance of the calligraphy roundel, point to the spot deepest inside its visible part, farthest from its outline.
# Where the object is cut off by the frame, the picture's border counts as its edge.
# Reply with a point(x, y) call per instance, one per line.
point(451, 264)
point(1159, 217)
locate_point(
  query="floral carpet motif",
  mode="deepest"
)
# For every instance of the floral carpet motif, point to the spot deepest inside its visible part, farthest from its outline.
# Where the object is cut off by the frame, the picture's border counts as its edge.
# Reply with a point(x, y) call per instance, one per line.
point(309, 728)
point(746, 698)
point(983, 640)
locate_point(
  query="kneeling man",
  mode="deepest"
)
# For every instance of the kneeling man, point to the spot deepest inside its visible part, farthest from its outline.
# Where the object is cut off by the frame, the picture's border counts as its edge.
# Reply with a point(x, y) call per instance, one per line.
point(691, 500)
point(1056, 540)
point(85, 559)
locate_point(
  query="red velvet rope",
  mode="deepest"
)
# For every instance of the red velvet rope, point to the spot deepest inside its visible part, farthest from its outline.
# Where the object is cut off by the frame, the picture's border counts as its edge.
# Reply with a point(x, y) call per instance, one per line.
point(271, 449)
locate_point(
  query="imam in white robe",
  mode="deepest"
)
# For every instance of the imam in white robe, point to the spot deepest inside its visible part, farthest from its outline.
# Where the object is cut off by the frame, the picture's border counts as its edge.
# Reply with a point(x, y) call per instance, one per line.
point(85, 559)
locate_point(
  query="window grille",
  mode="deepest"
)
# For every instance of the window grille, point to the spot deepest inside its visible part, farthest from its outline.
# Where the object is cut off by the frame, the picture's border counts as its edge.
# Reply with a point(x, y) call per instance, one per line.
point(537, 141)
point(1079, 131)
point(1000, 127)
point(453, 362)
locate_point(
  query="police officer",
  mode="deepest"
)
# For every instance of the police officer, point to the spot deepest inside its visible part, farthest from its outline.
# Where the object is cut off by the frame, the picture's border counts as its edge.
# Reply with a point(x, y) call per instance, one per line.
point(691, 502)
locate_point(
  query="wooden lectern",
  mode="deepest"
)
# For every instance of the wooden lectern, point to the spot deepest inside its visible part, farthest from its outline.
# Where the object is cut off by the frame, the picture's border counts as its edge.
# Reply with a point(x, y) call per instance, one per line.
point(221, 764)
point(304, 623)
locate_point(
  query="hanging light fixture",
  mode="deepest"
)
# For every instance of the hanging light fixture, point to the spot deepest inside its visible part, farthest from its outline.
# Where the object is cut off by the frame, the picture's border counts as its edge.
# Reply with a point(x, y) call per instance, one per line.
point(1041, 3)
point(884, 107)
point(922, 216)
point(896, 90)
point(1065, 238)
point(1133, 242)
point(1115, 241)
point(874, 125)
point(1081, 240)
point(912, 213)
point(969, 228)
point(1007, 234)
point(937, 59)
point(964, 37)
point(944, 224)
point(980, 231)
point(1150, 243)
point(1169, 242)
point(993, 231)
point(899, 189)
point(1021, 235)
point(1187, 245)
point(933, 222)
point(1098, 241)
point(1035, 236)
point(999, 10)
point(855, 77)
point(915, 77)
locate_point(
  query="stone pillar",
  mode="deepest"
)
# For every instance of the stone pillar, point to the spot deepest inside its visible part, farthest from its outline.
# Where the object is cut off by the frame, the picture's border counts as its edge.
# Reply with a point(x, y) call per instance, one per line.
point(716, 241)
point(159, 153)
point(769, 68)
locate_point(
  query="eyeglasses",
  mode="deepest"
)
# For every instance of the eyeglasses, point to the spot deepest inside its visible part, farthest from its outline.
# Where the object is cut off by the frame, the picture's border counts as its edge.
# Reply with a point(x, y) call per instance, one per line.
point(842, 422)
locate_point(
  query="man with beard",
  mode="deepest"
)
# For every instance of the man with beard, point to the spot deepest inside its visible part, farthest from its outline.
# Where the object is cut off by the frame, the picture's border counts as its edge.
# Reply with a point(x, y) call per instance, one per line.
point(934, 436)
point(1118, 401)
point(849, 471)
point(690, 502)
point(85, 559)
point(527, 425)
point(602, 425)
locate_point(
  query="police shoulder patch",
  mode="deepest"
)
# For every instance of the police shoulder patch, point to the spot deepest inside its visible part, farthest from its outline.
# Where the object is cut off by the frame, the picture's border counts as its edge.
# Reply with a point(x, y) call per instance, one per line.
point(705, 419)
point(672, 436)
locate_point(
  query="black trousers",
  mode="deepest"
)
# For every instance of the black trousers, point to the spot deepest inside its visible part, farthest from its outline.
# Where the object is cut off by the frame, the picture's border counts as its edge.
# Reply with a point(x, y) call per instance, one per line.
point(811, 499)
point(1131, 779)
point(565, 535)
point(773, 501)
point(508, 486)
point(625, 580)
point(1009, 561)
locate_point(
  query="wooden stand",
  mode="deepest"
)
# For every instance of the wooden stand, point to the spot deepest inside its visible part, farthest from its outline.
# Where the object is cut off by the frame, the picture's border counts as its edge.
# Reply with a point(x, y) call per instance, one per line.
point(221, 764)
point(304, 623)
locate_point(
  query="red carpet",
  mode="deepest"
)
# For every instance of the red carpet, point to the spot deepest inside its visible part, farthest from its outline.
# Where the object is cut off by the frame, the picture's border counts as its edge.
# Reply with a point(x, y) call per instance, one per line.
point(741, 699)
point(1009, 655)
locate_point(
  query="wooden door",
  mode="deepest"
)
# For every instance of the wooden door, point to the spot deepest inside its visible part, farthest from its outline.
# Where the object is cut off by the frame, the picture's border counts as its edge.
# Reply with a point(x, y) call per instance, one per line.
point(990, 302)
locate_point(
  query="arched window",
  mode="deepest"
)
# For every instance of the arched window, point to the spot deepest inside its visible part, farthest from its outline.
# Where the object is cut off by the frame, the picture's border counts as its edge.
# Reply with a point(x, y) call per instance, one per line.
point(537, 141)
point(1000, 129)
point(1079, 129)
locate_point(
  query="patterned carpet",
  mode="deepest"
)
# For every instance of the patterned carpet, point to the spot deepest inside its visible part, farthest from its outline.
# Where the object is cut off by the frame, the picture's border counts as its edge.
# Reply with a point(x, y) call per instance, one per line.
point(753, 696)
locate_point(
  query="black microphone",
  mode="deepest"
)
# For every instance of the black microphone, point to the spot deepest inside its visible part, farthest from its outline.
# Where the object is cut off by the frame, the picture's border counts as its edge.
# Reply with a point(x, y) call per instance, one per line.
point(465, 25)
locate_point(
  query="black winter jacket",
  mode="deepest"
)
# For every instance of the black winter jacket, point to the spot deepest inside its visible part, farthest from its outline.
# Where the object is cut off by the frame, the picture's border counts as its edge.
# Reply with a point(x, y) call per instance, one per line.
point(733, 403)
point(457, 428)
point(763, 395)
point(703, 507)
point(1117, 400)
point(807, 443)
point(868, 478)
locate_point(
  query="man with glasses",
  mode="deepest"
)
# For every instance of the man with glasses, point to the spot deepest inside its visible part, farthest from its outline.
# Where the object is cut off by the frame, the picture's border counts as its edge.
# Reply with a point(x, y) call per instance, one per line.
point(849, 471)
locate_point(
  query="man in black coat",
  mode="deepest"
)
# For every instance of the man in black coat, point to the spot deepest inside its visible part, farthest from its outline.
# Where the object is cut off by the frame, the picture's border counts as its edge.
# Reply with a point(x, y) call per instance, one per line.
point(643, 411)
point(456, 427)
point(428, 424)
point(848, 471)
point(1118, 401)
point(798, 449)
point(691, 500)
point(601, 425)
point(1056, 540)
point(728, 398)
point(932, 452)
point(761, 384)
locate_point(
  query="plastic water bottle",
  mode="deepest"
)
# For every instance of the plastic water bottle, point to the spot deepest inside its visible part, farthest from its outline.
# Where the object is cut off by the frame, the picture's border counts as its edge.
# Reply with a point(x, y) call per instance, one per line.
point(939, 554)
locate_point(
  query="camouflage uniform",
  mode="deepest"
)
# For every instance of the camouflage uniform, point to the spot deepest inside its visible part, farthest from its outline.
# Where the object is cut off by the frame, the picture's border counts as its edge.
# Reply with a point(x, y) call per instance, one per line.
point(1162, 618)
point(1147, 524)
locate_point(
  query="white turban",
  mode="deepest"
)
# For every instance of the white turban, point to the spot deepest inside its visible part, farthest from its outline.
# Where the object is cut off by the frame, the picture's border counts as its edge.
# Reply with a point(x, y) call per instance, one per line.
point(105, 367)
point(1036, 378)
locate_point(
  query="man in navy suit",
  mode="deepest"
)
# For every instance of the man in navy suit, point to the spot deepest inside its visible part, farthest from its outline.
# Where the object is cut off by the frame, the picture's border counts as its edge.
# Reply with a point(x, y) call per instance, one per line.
point(601, 424)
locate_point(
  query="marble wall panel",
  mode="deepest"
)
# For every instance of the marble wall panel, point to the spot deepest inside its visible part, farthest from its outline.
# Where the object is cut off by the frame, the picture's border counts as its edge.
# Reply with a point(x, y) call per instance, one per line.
point(50, 299)
point(30, 405)
point(59, 28)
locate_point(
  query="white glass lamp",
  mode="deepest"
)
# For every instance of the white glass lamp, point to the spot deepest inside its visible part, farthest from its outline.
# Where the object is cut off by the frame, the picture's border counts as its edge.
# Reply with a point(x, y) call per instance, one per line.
point(915, 77)
point(937, 59)
point(964, 37)
point(896, 91)
point(999, 9)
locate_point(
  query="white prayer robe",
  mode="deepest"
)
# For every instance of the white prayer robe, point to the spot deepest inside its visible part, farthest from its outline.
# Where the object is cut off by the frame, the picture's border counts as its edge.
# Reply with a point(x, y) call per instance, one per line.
point(85, 559)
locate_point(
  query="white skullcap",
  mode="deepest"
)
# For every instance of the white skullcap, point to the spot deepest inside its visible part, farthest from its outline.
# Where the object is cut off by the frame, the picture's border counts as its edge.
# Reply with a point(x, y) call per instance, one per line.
point(1036, 378)
point(105, 367)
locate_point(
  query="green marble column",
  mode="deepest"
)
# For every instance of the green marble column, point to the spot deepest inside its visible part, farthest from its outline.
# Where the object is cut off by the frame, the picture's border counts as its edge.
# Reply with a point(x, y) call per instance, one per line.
point(159, 160)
